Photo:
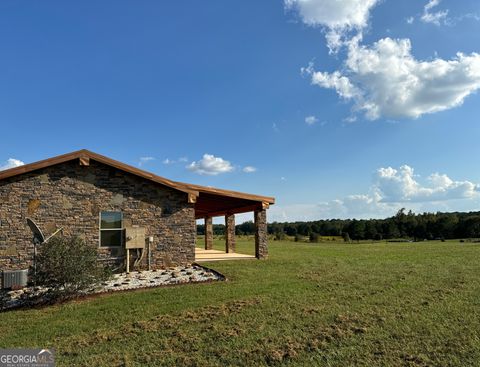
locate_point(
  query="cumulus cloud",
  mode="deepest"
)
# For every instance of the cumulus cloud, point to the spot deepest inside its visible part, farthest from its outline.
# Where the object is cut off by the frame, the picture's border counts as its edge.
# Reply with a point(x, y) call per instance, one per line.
point(11, 163)
point(394, 188)
point(401, 185)
point(434, 17)
point(385, 80)
point(391, 189)
point(338, 18)
point(249, 169)
point(210, 165)
point(368, 205)
point(145, 160)
point(311, 120)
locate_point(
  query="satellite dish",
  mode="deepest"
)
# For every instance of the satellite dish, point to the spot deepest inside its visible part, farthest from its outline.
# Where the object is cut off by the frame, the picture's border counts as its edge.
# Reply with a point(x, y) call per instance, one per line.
point(38, 237)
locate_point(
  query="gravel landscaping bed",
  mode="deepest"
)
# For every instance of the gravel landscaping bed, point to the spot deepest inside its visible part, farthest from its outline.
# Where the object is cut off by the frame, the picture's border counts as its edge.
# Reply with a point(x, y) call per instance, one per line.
point(32, 296)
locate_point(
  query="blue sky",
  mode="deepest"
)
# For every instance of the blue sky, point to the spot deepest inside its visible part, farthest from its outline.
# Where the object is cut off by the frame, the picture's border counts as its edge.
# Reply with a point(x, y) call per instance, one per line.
point(338, 109)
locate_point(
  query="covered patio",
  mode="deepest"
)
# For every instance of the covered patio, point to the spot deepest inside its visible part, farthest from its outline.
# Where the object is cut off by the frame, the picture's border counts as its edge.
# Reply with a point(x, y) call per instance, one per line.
point(202, 255)
point(212, 203)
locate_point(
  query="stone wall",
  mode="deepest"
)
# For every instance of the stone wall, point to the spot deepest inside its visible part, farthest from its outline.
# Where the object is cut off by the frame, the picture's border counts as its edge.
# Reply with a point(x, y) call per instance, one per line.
point(261, 234)
point(230, 233)
point(208, 233)
point(72, 196)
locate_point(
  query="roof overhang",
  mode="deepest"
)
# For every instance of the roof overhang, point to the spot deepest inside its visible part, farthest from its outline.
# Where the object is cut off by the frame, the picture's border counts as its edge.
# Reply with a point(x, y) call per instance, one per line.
point(208, 201)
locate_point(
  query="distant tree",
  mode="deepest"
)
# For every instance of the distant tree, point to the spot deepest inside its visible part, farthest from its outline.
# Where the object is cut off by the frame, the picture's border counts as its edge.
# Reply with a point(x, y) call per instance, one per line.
point(290, 229)
point(472, 227)
point(402, 225)
point(390, 229)
point(357, 230)
point(370, 229)
point(246, 228)
point(200, 229)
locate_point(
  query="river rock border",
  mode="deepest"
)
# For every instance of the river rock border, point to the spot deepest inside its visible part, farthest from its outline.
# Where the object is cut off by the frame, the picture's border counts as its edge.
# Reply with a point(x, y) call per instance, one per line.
point(35, 296)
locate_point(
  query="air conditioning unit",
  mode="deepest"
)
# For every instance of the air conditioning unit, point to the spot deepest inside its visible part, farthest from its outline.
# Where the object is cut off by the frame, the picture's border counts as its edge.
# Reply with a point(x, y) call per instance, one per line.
point(14, 279)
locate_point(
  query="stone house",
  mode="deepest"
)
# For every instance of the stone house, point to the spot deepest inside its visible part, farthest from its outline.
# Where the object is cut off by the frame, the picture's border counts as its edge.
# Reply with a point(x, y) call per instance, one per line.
point(99, 199)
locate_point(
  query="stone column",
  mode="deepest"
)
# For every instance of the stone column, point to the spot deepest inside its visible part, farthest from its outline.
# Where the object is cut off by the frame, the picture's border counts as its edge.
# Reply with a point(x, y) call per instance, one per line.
point(230, 233)
point(208, 233)
point(261, 247)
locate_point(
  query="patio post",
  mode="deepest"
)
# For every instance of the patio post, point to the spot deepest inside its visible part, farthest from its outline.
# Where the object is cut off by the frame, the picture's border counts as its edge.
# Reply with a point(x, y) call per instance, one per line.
point(230, 233)
point(208, 233)
point(261, 247)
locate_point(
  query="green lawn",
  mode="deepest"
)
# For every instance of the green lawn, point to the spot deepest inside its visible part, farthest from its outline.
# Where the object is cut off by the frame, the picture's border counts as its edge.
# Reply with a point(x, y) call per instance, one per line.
point(308, 305)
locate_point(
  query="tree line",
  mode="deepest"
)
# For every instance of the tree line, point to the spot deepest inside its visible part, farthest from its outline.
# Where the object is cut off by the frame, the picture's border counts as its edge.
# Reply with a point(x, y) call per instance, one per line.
point(403, 225)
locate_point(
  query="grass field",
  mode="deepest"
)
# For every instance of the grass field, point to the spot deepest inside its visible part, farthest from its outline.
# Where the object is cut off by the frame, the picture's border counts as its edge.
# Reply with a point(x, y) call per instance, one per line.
point(308, 305)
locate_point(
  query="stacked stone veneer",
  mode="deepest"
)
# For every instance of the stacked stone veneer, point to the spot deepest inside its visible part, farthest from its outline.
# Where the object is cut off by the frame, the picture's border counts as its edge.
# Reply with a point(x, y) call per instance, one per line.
point(230, 233)
point(208, 233)
point(261, 235)
point(72, 196)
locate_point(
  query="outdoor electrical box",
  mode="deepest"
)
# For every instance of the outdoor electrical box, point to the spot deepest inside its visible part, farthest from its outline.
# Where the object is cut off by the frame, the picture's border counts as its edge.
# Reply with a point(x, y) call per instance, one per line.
point(134, 237)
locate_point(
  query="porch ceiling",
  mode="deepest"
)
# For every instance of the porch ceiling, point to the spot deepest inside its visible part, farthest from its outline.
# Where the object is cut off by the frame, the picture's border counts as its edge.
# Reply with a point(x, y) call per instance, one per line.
point(210, 205)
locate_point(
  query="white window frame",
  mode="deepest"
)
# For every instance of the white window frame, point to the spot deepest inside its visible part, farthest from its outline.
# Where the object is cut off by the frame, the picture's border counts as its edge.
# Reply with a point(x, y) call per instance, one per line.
point(100, 229)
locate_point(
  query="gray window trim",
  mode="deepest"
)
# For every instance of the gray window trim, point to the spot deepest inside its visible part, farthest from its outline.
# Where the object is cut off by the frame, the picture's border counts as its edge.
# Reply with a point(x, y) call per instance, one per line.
point(100, 229)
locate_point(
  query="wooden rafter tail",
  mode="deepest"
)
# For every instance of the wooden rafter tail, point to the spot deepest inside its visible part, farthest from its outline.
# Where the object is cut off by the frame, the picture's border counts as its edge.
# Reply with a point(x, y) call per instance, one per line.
point(84, 161)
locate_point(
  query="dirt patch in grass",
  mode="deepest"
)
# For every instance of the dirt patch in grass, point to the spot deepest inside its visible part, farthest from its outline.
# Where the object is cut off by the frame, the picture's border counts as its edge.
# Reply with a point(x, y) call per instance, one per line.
point(167, 324)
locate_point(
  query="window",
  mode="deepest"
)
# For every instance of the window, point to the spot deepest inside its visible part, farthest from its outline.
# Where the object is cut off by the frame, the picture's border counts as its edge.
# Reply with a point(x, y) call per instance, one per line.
point(111, 229)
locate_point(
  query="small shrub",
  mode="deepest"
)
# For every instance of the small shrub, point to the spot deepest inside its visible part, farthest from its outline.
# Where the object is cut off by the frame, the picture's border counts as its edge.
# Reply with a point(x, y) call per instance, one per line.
point(346, 237)
point(298, 238)
point(279, 236)
point(67, 266)
point(314, 237)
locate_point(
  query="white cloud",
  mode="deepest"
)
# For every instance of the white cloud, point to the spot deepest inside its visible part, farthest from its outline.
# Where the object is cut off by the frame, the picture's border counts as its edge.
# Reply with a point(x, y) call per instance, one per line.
point(249, 169)
point(210, 165)
point(11, 163)
point(391, 190)
point(338, 18)
point(401, 186)
point(410, 20)
point(436, 18)
point(311, 120)
point(385, 80)
point(144, 160)
point(169, 161)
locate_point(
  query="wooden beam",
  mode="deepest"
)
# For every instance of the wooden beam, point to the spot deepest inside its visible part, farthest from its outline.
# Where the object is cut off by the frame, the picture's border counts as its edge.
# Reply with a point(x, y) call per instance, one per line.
point(244, 209)
point(192, 198)
point(84, 161)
